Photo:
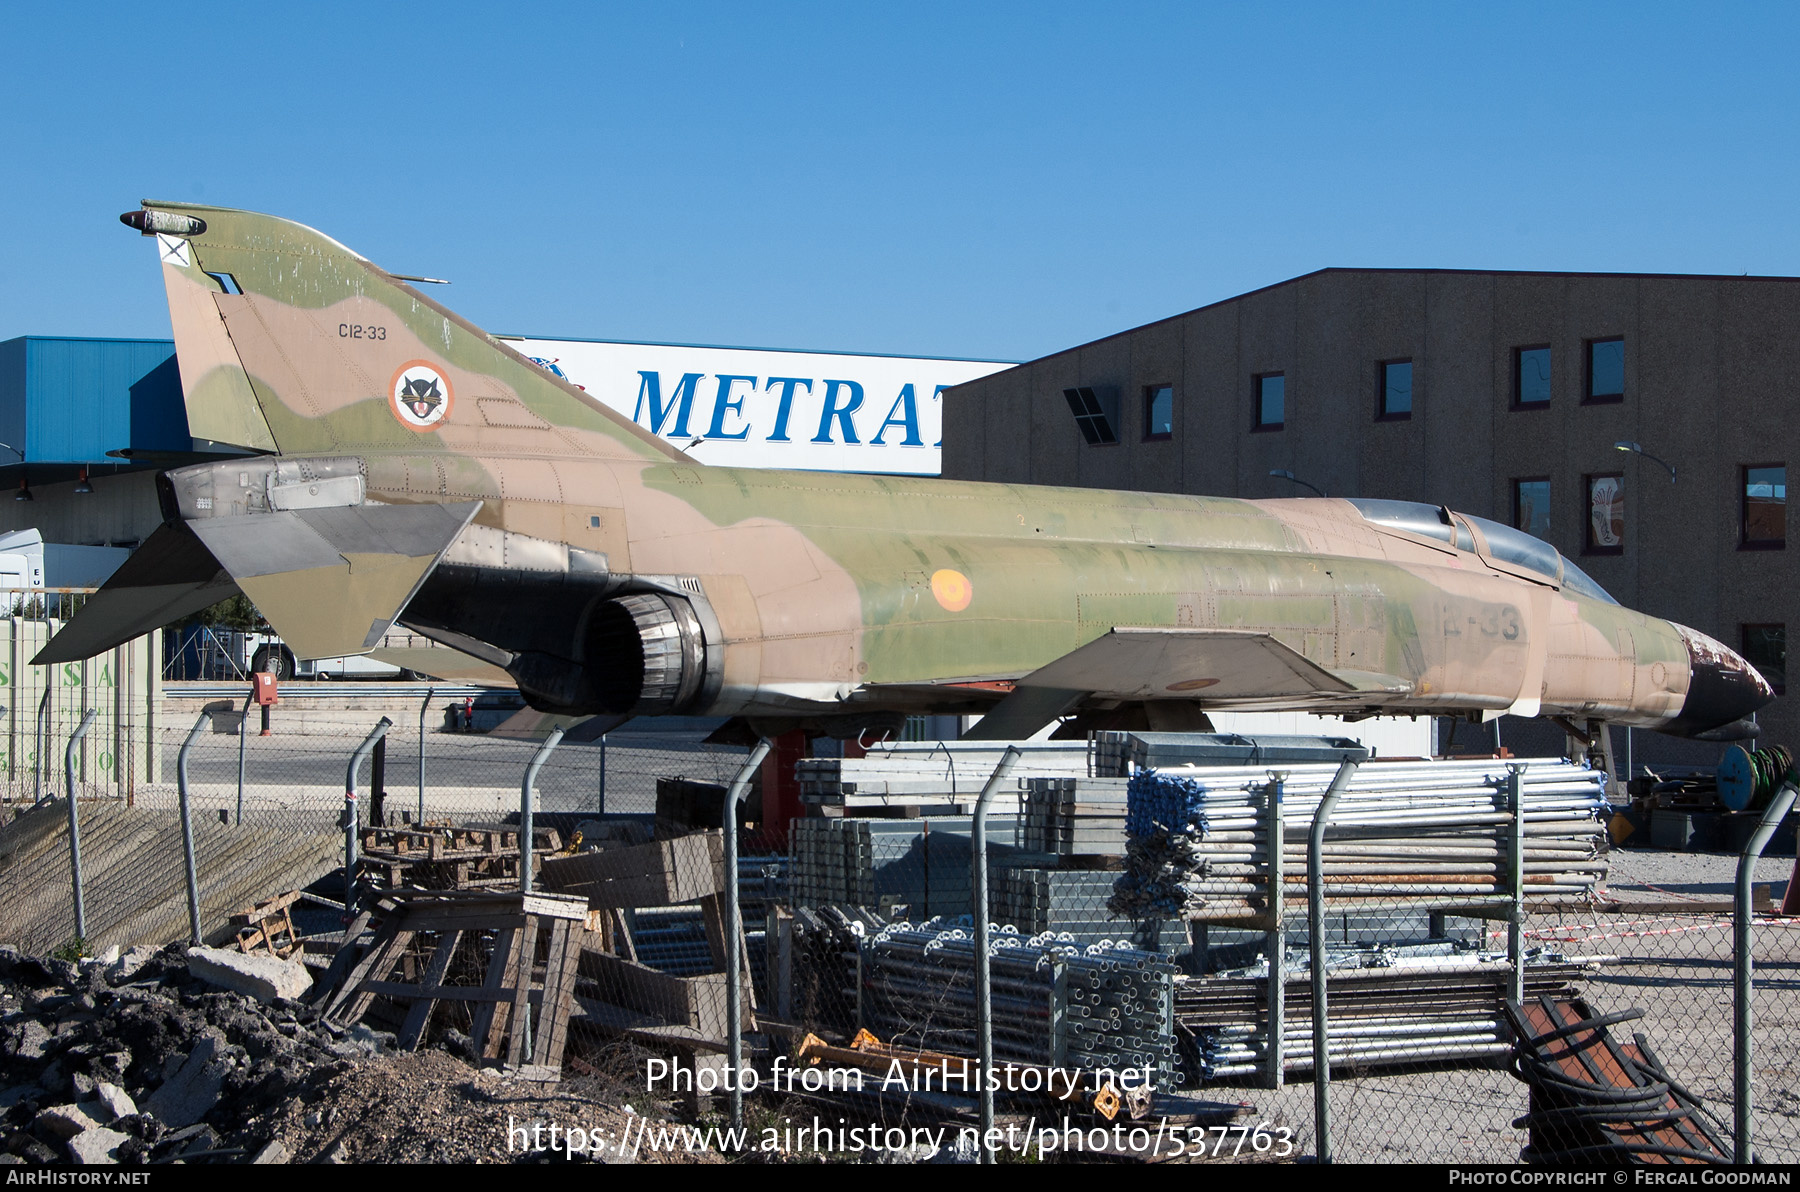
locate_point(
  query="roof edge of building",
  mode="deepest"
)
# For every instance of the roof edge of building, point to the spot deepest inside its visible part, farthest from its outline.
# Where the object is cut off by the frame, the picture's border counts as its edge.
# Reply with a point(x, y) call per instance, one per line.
point(1329, 269)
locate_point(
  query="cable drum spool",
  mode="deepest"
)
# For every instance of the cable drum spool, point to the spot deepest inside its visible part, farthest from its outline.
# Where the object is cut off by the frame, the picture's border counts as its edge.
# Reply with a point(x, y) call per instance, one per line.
point(1747, 780)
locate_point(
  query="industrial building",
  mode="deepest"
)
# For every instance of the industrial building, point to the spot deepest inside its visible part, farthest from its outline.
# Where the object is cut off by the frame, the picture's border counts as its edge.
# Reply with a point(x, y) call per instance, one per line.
point(1496, 393)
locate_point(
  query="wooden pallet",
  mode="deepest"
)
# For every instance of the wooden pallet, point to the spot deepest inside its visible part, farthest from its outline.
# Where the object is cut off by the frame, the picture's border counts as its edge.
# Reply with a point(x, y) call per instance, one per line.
point(455, 842)
point(1576, 1068)
point(537, 942)
point(268, 925)
point(449, 856)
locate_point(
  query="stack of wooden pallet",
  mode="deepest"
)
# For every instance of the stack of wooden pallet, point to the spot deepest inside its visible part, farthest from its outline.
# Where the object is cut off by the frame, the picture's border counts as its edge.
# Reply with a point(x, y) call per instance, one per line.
point(405, 950)
point(447, 856)
point(617, 992)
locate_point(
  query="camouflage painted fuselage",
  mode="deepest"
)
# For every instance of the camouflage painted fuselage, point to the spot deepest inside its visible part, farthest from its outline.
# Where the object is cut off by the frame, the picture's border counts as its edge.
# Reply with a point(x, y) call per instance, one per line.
point(778, 593)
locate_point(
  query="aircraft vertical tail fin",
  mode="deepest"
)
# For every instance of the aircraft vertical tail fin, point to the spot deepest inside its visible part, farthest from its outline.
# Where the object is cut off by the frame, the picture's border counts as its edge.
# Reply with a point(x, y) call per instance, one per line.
point(290, 343)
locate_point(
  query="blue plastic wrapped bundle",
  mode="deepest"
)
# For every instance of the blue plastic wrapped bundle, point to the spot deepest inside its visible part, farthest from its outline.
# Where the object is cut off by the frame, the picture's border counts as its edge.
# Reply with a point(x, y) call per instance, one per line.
point(1165, 825)
point(1158, 803)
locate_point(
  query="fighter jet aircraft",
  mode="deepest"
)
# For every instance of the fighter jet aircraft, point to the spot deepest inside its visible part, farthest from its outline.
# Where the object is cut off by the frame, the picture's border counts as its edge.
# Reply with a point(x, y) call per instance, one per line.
point(413, 468)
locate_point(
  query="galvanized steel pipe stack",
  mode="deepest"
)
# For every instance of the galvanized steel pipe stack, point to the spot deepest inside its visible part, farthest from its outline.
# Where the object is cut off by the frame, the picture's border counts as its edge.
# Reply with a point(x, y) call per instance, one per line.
point(1200, 836)
point(1103, 1006)
point(1394, 1005)
point(939, 774)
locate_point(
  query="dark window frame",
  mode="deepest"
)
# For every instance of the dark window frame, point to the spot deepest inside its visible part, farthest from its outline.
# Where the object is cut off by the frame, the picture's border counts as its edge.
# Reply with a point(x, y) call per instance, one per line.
point(1516, 481)
point(1089, 406)
point(1518, 387)
point(1588, 396)
point(1588, 545)
point(1745, 542)
point(1150, 392)
point(1382, 413)
point(1256, 402)
point(1779, 686)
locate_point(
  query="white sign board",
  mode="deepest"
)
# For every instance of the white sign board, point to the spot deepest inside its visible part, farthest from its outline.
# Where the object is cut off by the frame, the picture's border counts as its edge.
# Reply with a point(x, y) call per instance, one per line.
point(761, 408)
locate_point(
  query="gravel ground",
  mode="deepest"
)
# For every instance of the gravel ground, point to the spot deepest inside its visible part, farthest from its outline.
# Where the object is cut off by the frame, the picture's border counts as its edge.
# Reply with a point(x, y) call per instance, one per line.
point(430, 1107)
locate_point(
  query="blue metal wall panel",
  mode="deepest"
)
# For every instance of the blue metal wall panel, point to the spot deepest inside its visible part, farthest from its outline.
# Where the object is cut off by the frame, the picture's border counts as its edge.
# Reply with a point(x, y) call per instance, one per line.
point(12, 397)
point(85, 397)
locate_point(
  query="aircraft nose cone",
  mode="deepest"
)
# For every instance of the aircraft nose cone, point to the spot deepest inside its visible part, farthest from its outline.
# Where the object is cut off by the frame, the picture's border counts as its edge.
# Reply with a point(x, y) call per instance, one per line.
point(1723, 689)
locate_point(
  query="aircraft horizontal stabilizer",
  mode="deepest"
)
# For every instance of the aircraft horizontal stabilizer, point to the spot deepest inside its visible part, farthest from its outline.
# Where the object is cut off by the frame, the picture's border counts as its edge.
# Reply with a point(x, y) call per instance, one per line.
point(330, 581)
point(171, 576)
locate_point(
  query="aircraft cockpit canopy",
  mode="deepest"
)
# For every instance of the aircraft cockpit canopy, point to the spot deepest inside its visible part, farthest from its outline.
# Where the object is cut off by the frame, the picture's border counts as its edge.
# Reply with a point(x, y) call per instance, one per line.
point(1504, 543)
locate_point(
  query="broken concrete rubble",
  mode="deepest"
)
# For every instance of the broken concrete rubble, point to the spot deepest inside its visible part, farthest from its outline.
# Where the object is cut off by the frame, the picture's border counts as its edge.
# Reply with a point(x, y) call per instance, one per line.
point(184, 1097)
point(115, 1100)
point(266, 978)
point(98, 1145)
point(140, 1060)
point(66, 1121)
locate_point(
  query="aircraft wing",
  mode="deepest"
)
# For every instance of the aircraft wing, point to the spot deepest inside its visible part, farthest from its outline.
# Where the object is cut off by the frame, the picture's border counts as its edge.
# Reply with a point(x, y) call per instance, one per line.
point(1208, 665)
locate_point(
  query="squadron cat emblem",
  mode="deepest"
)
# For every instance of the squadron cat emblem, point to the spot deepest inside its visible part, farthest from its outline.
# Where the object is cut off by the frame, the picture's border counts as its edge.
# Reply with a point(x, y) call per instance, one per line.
point(419, 395)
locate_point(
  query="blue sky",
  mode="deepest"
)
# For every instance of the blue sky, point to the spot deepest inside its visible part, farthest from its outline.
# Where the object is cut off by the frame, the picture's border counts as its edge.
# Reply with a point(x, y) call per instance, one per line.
point(989, 180)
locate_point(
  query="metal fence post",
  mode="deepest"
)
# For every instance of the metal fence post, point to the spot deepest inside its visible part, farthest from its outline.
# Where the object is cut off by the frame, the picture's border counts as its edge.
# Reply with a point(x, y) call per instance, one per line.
point(378, 785)
point(1315, 926)
point(423, 709)
point(1743, 919)
point(187, 826)
point(527, 803)
point(734, 928)
point(362, 751)
point(243, 732)
point(1275, 941)
point(43, 743)
point(1515, 861)
point(984, 989)
point(87, 722)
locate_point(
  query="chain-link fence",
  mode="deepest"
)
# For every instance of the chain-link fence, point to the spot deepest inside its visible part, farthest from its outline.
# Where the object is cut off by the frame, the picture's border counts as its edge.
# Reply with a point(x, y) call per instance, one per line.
point(1147, 923)
point(266, 811)
point(1492, 978)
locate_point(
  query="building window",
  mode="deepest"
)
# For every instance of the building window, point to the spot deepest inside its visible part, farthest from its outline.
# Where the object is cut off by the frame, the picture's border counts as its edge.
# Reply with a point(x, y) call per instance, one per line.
point(1606, 370)
point(1531, 376)
point(1159, 411)
point(1096, 414)
point(1271, 401)
point(1393, 399)
point(1765, 648)
point(1531, 506)
point(1765, 507)
point(1606, 514)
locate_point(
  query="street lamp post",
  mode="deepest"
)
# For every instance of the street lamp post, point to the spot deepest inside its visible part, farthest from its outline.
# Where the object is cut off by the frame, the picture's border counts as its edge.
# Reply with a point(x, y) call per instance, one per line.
point(1284, 474)
point(1638, 449)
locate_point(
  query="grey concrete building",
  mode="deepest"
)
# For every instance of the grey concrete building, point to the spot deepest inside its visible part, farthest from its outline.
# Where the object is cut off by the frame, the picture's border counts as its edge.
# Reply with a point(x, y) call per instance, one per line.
point(1498, 394)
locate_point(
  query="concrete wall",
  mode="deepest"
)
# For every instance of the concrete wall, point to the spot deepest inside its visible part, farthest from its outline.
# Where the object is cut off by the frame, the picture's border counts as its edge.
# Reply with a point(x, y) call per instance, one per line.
point(1712, 373)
